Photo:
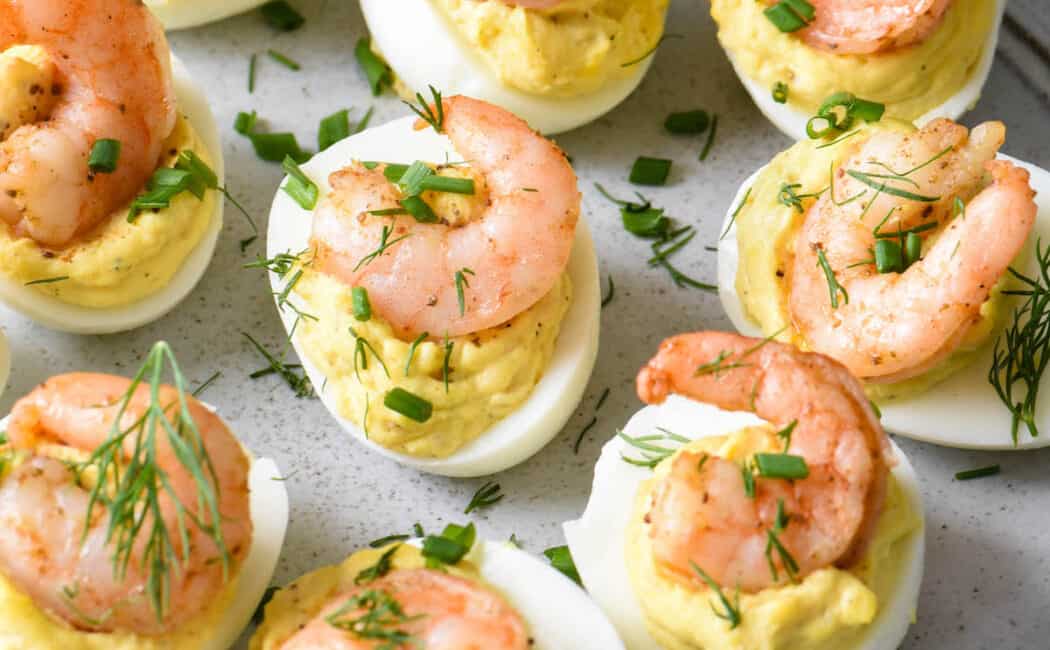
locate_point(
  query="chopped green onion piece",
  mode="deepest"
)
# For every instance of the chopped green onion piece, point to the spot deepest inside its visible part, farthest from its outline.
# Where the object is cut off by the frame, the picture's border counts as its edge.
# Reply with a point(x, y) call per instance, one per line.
point(448, 184)
point(362, 307)
point(888, 257)
point(450, 546)
point(561, 559)
point(786, 466)
point(650, 171)
point(780, 92)
point(104, 156)
point(275, 147)
point(912, 249)
point(284, 60)
point(411, 182)
point(333, 128)
point(790, 15)
point(867, 111)
point(280, 15)
point(816, 132)
point(409, 405)
point(165, 184)
point(299, 186)
point(376, 70)
point(689, 122)
point(650, 222)
point(419, 209)
point(980, 472)
point(245, 122)
point(392, 171)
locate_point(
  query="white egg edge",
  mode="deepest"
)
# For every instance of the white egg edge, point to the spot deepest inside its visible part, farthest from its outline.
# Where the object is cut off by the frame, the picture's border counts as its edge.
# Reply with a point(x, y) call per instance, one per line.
point(558, 613)
point(74, 319)
point(182, 14)
point(792, 121)
point(597, 539)
point(5, 361)
point(427, 51)
point(269, 507)
point(552, 402)
point(933, 416)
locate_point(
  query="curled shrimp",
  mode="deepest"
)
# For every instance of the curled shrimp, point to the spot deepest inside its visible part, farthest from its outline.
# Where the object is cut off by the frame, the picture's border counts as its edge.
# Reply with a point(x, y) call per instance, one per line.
point(502, 262)
point(65, 564)
point(701, 515)
point(871, 26)
point(114, 81)
point(437, 611)
point(897, 325)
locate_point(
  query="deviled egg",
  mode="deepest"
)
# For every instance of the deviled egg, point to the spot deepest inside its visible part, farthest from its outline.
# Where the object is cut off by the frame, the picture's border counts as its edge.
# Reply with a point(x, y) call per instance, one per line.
point(687, 541)
point(442, 591)
point(124, 578)
point(558, 65)
point(180, 14)
point(444, 302)
point(935, 351)
point(110, 239)
point(921, 60)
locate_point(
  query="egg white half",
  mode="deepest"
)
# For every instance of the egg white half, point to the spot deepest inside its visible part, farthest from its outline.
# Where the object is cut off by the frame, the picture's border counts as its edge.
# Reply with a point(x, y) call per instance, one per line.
point(558, 613)
point(5, 361)
point(934, 416)
point(180, 14)
point(269, 507)
point(792, 122)
point(57, 315)
point(597, 539)
point(535, 423)
point(425, 50)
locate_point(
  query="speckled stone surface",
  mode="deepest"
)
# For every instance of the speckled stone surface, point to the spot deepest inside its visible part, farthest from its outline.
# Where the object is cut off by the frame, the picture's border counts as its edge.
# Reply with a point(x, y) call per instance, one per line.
point(988, 570)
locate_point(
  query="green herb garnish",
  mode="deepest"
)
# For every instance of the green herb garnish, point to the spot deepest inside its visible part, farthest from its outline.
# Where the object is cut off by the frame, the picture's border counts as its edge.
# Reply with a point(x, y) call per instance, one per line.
point(980, 472)
point(687, 123)
point(730, 611)
point(105, 154)
point(281, 15)
point(561, 559)
point(376, 70)
point(487, 495)
point(408, 404)
point(284, 60)
point(650, 171)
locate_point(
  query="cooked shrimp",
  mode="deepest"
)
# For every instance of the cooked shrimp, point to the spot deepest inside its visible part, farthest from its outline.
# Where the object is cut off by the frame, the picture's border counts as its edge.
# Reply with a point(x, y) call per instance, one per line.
point(509, 256)
point(114, 81)
point(438, 612)
point(68, 572)
point(898, 325)
point(701, 514)
point(871, 26)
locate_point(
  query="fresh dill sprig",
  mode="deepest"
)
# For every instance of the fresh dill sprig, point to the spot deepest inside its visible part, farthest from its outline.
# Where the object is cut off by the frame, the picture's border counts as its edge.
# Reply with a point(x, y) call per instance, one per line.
point(487, 495)
point(375, 615)
point(773, 543)
point(292, 374)
point(384, 243)
point(434, 115)
point(652, 454)
point(730, 611)
point(834, 288)
point(732, 218)
point(461, 284)
point(133, 499)
point(361, 349)
point(1022, 351)
point(379, 569)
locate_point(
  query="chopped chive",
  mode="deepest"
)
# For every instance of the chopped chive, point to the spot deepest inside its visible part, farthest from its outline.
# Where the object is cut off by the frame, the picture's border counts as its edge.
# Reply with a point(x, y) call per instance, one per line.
point(361, 306)
point(688, 122)
point(870, 181)
point(419, 209)
point(786, 17)
point(392, 171)
point(434, 115)
point(583, 432)
point(561, 559)
point(446, 370)
point(299, 186)
point(780, 92)
point(650, 171)
point(450, 546)
point(461, 282)
point(61, 278)
point(245, 122)
point(785, 466)
point(389, 539)
point(275, 147)
point(333, 128)
point(980, 472)
point(284, 60)
point(650, 222)
point(912, 249)
point(408, 404)
point(710, 139)
point(376, 70)
point(487, 495)
point(281, 15)
point(651, 50)
point(448, 184)
point(202, 177)
point(412, 350)
point(105, 154)
point(251, 72)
